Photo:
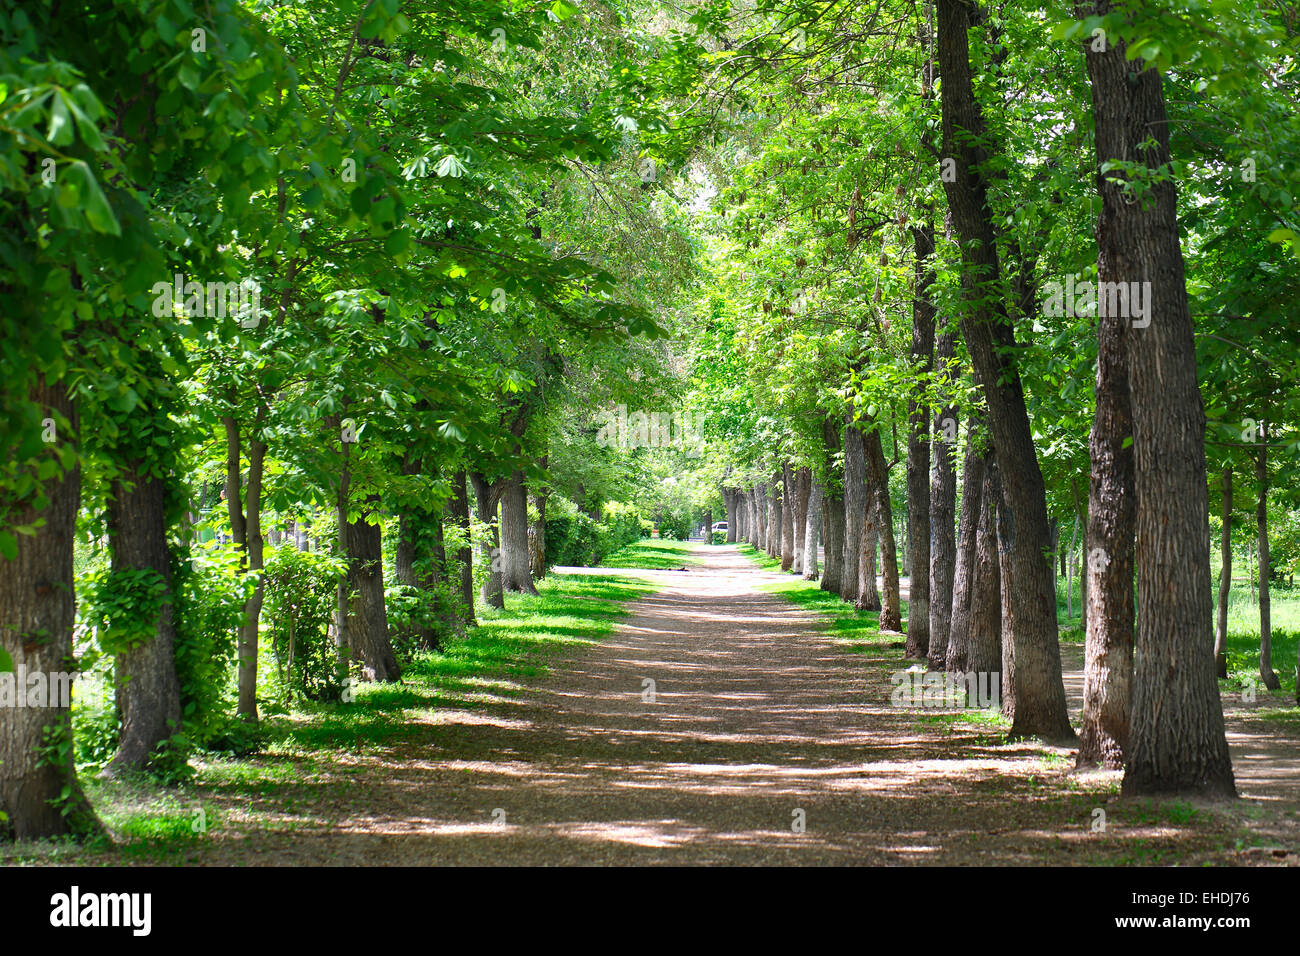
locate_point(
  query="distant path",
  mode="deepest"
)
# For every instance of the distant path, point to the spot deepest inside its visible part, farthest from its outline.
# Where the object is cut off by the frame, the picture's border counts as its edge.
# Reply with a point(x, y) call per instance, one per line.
point(757, 714)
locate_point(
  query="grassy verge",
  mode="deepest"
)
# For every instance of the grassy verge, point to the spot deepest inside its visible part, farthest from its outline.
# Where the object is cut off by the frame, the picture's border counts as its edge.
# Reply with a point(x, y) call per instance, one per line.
point(314, 747)
point(656, 554)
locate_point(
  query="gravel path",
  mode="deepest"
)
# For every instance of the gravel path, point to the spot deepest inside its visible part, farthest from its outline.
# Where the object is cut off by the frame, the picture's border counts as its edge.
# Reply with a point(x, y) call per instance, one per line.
point(766, 742)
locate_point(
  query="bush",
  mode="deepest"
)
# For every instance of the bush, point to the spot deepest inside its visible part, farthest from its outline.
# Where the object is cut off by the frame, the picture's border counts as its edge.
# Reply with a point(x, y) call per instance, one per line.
point(572, 538)
point(301, 601)
point(719, 537)
point(210, 596)
point(675, 527)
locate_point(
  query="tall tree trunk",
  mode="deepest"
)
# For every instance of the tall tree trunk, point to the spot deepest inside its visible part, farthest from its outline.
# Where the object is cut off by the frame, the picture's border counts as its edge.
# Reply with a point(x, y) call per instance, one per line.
point(891, 611)
point(458, 513)
point(537, 532)
point(1108, 570)
point(1176, 738)
point(943, 505)
point(965, 579)
point(812, 522)
point(855, 513)
point(984, 648)
point(787, 517)
point(487, 495)
point(776, 518)
point(1265, 603)
point(148, 690)
point(1006, 583)
point(802, 490)
point(920, 532)
point(1038, 689)
point(515, 574)
point(868, 598)
point(1225, 579)
point(37, 614)
point(246, 528)
point(367, 629)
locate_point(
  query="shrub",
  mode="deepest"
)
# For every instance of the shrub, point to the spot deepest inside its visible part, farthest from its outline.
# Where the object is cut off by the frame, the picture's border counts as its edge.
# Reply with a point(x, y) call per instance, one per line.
point(573, 538)
point(301, 601)
point(210, 594)
point(675, 527)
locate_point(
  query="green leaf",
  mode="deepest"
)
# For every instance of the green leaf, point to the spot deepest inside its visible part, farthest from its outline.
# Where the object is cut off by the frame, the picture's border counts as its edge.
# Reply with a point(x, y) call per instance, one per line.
point(93, 204)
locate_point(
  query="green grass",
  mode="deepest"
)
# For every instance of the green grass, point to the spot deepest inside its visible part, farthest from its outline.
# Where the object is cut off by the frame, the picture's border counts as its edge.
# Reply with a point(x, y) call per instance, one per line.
point(657, 554)
point(1243, 635)
point(304, 745)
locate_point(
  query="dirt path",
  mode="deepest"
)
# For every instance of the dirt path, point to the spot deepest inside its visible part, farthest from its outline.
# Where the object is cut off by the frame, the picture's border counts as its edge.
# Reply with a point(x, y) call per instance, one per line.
point(759, 721)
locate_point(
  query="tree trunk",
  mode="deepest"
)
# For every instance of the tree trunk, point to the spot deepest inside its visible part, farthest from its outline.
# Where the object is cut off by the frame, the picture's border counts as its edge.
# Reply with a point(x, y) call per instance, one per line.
point(1225, 579)
point(458, 513)
point(367, 629)
point(1038, 689)
point(984, 649)
point(1265, 605)
point(1108, 570)
point(1176, 739)
point(776, 517)
point(943, 542)
point(734, 531)
point(802, 490)
point(1006, 584)
point(855, 513)
point(965, 578)
point(812, 522)
point(868, 598)
point(537, 532)
point(487, 495)
point(246, 529)
point(891, 611)
point(148, 690)
point(786, 486)
point(1069, 572)
point(515, 574)
point(38, 606)
point(920, 531)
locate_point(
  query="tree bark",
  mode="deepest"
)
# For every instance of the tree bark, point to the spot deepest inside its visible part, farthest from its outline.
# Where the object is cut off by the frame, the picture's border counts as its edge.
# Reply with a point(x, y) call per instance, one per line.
point(515, 572)
point(855, 514)
point(877, 474)
point(920, 532)
point(1225, 579)
point(1108, 568)
point(487, 495)
point(965, 577)
point(812, 523)
point(786, 486)
point(367, 630)
point(537, 532)
point(148, 690)
point(985, 647)
point(37, 615)
point(1176, 738)
point(458, 513)
point(943, 504)
point(1038, 688)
